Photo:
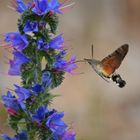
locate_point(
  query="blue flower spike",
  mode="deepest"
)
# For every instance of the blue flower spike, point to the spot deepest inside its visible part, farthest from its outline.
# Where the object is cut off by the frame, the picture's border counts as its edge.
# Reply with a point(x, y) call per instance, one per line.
point(38, 57)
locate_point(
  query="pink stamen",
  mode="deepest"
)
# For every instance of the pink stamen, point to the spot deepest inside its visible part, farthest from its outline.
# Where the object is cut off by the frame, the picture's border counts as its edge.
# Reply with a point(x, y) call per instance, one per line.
point(9, 51)
point(13, 3)
point(64, 1)
point(12, 8)
point(10, 89)
point(67, 7)
point(5, 74)
point(6, 58)
point(6, 44)
point(6, 62)
point(68, 47)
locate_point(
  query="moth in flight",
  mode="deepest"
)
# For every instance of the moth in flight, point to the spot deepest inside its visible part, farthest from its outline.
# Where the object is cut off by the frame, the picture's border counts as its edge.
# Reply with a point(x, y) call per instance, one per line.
point(106, 68)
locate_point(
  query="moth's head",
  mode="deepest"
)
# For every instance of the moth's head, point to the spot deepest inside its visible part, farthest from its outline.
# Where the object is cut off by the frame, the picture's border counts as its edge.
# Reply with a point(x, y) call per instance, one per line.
point(88, 60)
point(92, 62)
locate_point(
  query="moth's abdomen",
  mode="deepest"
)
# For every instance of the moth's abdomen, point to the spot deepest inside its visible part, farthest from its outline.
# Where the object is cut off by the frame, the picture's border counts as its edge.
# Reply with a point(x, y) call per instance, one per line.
point(107, 70)
point(118, 80)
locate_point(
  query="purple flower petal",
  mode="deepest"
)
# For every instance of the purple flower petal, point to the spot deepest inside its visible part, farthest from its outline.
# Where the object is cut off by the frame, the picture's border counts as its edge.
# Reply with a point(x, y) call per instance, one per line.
point(57, 42)
point(21, 6)
point(31, 26)
point(68, 135)
point(16, 63)
point(10, 101)
point(55, 123)
point(23, 93)
point(44, 6)
point(37, 88)
point(19, 42)
point(41, 7)
point(40, 114)
point(54, 6)
point(63, 65)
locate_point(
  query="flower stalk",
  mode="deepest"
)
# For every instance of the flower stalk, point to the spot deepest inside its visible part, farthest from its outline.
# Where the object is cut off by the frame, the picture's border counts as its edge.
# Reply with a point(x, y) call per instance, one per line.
point(28, 105)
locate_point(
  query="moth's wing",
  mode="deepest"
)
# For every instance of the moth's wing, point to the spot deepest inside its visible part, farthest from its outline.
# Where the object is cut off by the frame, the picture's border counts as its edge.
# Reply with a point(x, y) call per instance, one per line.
point(113, 61)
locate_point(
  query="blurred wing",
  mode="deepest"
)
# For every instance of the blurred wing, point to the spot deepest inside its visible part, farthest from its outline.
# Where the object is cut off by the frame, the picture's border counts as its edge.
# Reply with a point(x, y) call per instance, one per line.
point(113, 61)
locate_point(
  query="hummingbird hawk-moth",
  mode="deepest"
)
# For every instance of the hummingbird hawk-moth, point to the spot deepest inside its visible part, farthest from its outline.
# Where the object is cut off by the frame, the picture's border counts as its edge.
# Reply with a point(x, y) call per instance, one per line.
point(106, 67)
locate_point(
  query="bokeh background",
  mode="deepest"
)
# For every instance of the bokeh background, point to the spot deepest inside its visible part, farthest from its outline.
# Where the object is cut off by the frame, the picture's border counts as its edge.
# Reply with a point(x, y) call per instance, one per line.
point(97, 110)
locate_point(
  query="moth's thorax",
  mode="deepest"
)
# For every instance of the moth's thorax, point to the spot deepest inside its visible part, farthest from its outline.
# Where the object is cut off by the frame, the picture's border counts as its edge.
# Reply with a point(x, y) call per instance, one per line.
point(99, 67)
point(95, 64)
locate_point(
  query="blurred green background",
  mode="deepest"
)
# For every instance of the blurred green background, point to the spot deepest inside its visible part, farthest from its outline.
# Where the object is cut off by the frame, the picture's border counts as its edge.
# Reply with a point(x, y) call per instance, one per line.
point(97, 110)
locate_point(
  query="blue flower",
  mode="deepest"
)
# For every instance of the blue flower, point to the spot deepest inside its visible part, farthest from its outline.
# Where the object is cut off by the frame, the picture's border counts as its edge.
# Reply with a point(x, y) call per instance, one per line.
point(6, 137)
point(20, 136)
point(31, 26)
point(54, 6)
point(42, 24)
point(41, 7)
point(46, 78)
point(40, 44)
point(68, 135)
point(44, 6)
point(8, 96)
point(15, 64)
point(37, 88)
point(60, 55)
point(18, 41)
point(21, 6)
point(62, 65)
point(55, 123)
point(56, 43)
point(23, 93)
point(40, 114)
point(10, 101)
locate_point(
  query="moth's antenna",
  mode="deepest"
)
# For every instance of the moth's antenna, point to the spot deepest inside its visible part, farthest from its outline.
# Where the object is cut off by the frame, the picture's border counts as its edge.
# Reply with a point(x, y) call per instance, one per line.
point(92, 51)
